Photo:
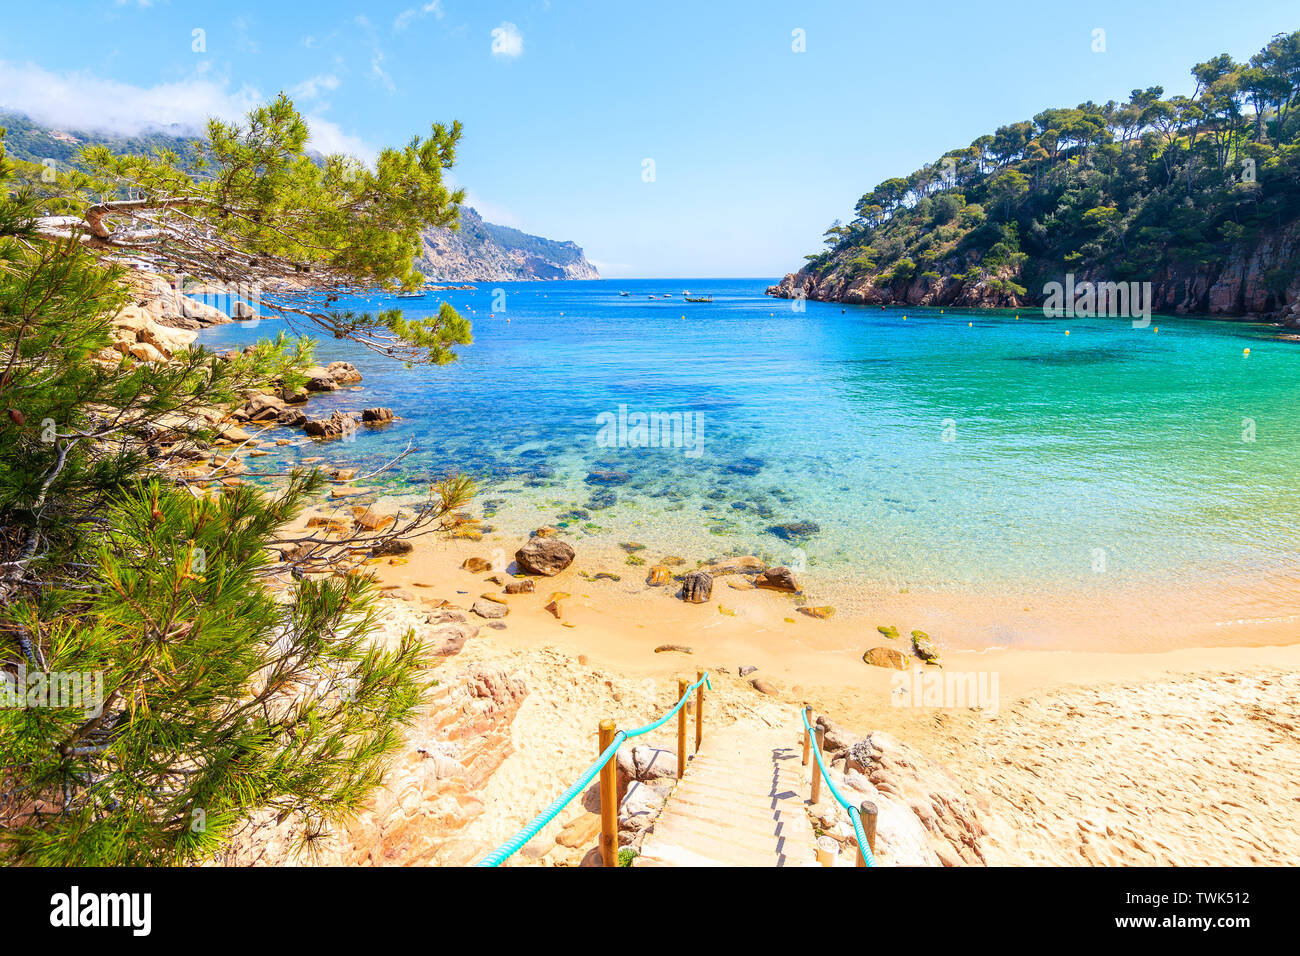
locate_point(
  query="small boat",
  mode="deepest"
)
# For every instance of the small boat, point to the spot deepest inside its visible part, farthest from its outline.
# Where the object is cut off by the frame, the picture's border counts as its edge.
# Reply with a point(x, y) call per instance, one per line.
point(699, 298)
point(651, 297)
point(411, 295)
point(625, 293)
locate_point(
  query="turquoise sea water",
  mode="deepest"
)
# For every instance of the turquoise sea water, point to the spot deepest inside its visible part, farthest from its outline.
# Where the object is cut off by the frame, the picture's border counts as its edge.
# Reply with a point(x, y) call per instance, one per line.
point(1110, 457)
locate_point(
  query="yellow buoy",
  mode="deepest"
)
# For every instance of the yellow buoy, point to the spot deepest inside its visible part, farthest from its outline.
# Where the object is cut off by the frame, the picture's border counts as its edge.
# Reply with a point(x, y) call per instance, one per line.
point(1245, 351)
point(941, 311)
point(1157, 328)
point(1067, 331)
point(969, 324)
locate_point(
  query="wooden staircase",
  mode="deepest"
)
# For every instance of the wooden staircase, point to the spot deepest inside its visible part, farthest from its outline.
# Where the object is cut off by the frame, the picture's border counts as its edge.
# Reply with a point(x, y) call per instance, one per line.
point(739, 804)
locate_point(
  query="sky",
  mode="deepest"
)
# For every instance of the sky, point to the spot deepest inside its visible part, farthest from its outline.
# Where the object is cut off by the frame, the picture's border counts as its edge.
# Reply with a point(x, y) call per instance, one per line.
point(668, 139)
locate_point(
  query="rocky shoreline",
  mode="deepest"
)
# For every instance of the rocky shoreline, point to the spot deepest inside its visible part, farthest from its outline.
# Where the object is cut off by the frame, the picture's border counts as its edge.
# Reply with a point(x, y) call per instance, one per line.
point(1243, 286)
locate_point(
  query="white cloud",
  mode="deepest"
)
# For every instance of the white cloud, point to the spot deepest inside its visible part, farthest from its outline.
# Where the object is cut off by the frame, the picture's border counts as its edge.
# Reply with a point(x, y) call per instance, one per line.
point(507, 41)
point(488, 210)
point(84, 102)
point(312, 87)
point(376, 53)
point(328, 137)
point(407, 16)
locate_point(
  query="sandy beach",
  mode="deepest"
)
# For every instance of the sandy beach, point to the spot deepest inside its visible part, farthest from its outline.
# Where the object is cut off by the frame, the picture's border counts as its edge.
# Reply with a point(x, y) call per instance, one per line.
point(1172, 757)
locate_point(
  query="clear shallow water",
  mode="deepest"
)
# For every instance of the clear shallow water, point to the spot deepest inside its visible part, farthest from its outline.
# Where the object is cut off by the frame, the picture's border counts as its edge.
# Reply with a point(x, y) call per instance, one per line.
point(1108, 458)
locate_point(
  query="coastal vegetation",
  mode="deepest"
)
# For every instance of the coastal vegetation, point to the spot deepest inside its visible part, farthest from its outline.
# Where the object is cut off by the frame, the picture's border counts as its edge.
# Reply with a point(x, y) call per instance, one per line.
point(217, 681)
point(1173, 190)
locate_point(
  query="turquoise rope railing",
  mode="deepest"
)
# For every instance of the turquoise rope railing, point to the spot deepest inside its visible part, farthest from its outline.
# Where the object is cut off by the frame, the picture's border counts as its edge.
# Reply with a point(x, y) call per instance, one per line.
point(854, 815)
point(516, 842)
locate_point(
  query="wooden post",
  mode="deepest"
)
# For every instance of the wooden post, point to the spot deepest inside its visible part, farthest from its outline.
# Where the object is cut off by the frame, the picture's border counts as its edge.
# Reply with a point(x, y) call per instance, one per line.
point(699, 710)
point(808, 713)
point(869, 813)
point(608, 798)
point(816, 770)
point(682, 685)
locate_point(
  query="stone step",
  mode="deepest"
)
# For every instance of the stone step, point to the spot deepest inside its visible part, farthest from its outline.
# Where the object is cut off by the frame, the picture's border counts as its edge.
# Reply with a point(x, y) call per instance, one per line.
point(732, 844)
point(752, 797)
point(704, 805)
point(766, 836)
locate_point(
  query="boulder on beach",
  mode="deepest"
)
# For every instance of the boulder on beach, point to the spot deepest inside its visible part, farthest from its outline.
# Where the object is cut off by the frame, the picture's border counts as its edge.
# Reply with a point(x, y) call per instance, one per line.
point(545, 556)
point(777, 579)
point(490, 609)
point(525, 586)
point(659, 576)
point(645, 764)
point(886, 657)
point(476, 565)
point(372, 521)
point(697, 587)
point(924, 646)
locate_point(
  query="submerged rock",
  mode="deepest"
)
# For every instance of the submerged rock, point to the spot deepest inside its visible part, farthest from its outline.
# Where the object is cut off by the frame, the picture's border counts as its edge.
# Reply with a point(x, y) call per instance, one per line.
point(607, 476)
point(377, 416)
point(777, 579)
point(821, 612)
point(795, 530)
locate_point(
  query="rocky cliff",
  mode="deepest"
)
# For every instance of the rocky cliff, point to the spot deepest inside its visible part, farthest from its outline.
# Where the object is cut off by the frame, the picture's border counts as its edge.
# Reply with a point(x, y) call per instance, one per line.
point(1252, 282)
point(481, 251)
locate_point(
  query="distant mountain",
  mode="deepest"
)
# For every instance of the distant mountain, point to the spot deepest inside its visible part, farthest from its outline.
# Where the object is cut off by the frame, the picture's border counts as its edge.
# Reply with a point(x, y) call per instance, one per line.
point(29, 141)
point(482, 251)
point(478, 252)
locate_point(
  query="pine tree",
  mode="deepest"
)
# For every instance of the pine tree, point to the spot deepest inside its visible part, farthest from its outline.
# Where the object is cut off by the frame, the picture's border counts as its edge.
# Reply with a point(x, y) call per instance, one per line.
point(221, 693)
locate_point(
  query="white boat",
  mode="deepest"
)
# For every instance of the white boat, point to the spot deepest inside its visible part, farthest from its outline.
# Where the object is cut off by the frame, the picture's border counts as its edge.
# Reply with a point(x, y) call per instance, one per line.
point(411, 295)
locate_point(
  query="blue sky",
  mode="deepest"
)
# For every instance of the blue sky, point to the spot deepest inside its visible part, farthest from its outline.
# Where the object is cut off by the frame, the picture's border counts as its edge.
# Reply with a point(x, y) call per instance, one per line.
point(756, 147)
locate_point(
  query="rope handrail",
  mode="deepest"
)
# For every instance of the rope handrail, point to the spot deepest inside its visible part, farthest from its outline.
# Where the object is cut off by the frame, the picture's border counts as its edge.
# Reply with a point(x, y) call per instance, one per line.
point(516, 842)
point(864, 847)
